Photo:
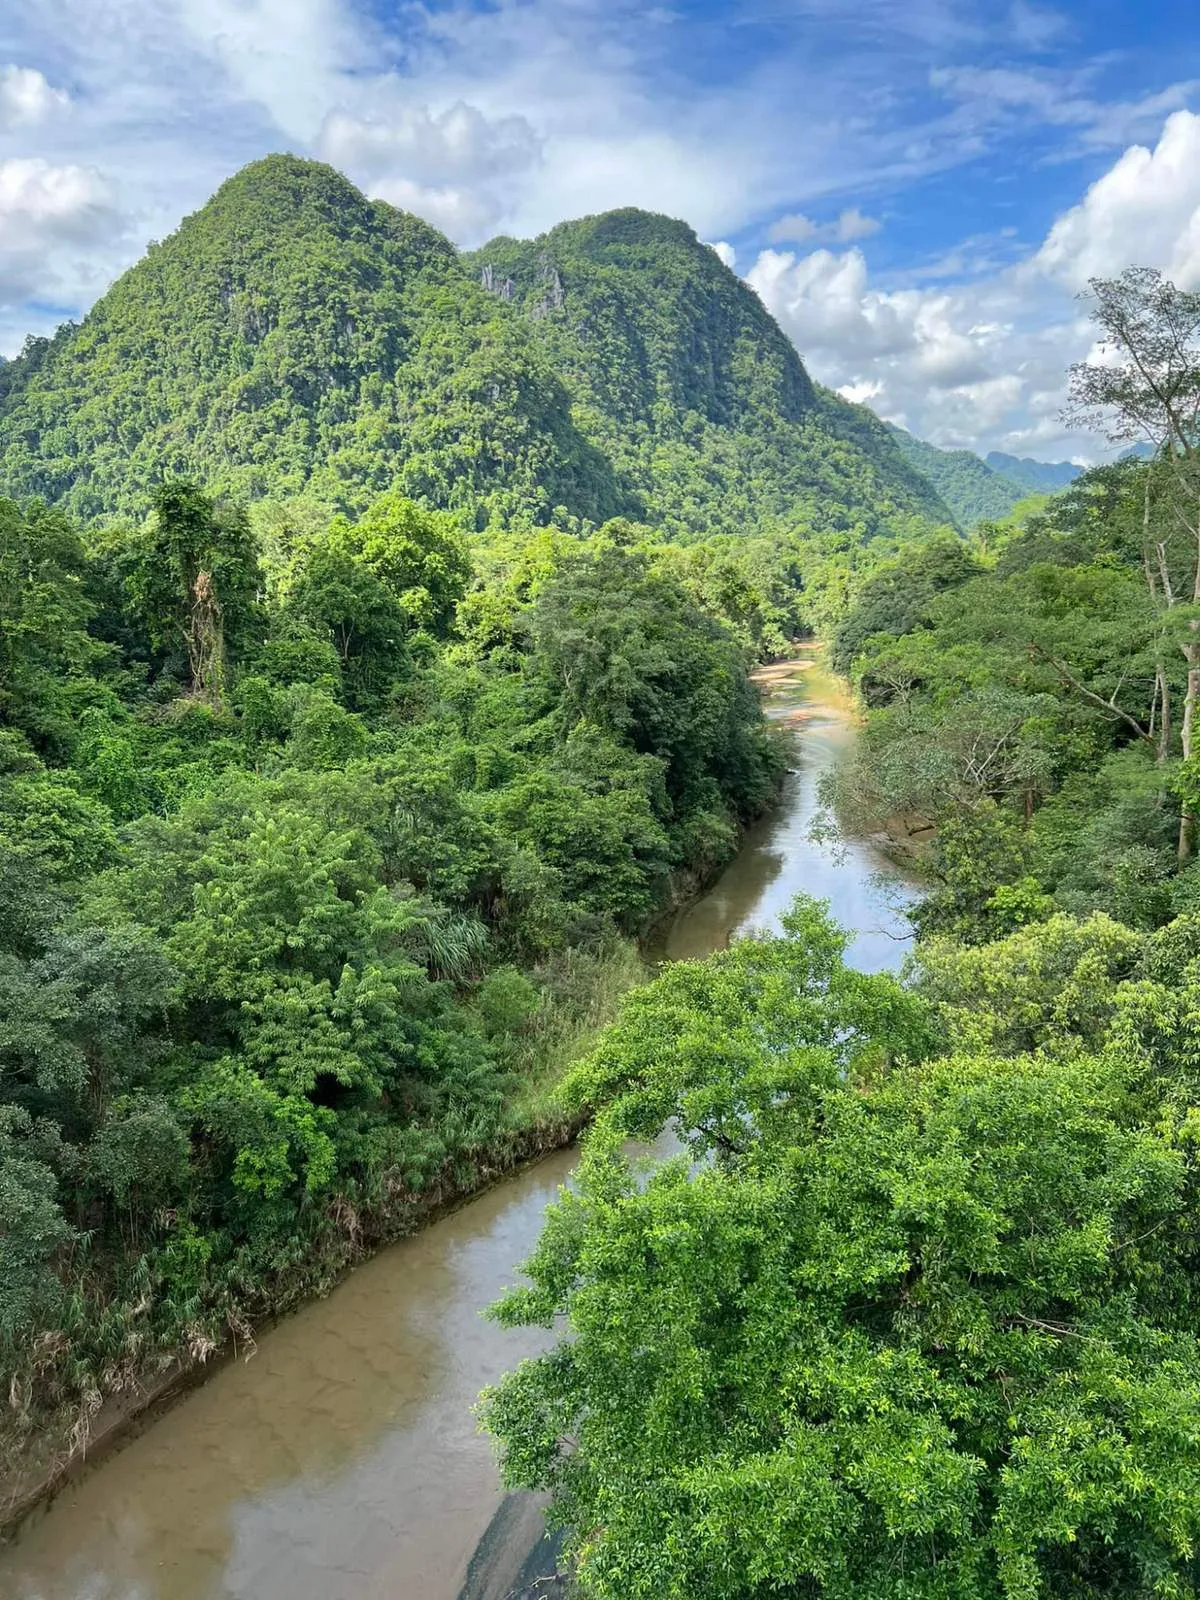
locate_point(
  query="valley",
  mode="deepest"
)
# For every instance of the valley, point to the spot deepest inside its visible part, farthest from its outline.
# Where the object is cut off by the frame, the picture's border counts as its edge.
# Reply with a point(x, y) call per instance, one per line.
point(417, 758)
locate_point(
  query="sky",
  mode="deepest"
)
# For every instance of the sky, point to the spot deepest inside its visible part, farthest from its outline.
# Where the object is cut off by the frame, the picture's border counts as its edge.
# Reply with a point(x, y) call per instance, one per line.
point(919, 190)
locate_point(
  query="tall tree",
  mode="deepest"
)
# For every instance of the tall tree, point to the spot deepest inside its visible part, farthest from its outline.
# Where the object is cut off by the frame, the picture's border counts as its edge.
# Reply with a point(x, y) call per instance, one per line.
point(1146, 389)
point(193, 577)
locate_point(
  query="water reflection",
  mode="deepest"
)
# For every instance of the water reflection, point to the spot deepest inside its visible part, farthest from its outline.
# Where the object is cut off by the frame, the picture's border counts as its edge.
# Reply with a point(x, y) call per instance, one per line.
point(779, 859)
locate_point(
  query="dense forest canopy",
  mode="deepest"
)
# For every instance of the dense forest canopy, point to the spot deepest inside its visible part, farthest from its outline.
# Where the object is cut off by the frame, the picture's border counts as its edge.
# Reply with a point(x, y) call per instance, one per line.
point(315, 860)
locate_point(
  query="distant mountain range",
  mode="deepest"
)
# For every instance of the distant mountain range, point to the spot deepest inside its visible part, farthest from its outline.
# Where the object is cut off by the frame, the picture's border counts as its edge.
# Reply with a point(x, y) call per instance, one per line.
point(1035, 477)
point(978, 488)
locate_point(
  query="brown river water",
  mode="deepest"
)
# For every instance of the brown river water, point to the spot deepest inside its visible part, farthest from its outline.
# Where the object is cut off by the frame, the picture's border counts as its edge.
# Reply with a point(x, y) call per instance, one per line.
point(341, 1461)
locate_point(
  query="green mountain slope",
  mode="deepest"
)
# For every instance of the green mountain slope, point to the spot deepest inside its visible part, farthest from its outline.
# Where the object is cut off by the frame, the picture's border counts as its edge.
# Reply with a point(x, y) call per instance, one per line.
point(689, 385)
point(973, 490)
point(1034, 477)
point(293, 337)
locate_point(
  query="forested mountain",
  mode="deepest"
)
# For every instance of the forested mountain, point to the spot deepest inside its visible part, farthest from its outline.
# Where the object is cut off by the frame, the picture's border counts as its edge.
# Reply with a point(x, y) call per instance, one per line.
point(1034, 477)
point(292, 337)
point(973, 490)
point(691, 388)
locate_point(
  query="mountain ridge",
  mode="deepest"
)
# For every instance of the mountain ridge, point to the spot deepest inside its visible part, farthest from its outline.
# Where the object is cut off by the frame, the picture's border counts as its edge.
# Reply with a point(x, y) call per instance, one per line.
point(293, 338)
point(1036, 477)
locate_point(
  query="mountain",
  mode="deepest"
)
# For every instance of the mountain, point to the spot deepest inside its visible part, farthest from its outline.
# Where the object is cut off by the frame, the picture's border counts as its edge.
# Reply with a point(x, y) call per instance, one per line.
point(690, 387)
point(974, 490)
point(1034, 477)
point(293, 337)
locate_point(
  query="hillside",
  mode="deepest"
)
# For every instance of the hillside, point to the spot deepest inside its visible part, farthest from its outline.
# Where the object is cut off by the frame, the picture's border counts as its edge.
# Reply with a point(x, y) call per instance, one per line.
point(688, 384)
point(293, 337)
point(973, 490)
point(1034, 477)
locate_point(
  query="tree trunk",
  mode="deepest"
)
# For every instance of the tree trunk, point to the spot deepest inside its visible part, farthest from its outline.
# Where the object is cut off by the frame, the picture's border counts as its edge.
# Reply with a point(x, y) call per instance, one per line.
point(1187, 818)
point(206, 641)
point(1163, 691)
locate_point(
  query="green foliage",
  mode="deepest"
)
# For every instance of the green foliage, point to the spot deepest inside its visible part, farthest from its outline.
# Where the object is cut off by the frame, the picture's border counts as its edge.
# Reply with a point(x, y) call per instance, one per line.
point(973, 489)
point(1028, 711)
point(305, 899)
point(1034, 477)
point(895, 599)
point(32, 1226)
point(899, 1324)
point(46, 649)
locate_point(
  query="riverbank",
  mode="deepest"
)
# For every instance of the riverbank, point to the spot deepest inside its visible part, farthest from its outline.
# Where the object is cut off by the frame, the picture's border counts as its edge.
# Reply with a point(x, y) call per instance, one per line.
point(59, 1448)
point(342, 1462)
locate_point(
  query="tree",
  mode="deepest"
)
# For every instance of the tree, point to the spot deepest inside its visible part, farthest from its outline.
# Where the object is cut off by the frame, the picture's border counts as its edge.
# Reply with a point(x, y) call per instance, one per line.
point(46, 650)
point(420, 555)
point(902, 1326)
point(629, 653)
point(192, 577)
point(1149, 391)
point(894, 599)
point(338, 596)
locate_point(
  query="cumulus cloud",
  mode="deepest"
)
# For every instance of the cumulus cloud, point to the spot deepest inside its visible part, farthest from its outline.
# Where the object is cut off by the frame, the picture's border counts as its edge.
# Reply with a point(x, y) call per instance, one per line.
point(1146, 206)
point(459, 143)
point(726, 252)
point(979, 366)
point(452, 168)
point(796, 228)
point(26, 98)
point(45, 210)
point(983, 364)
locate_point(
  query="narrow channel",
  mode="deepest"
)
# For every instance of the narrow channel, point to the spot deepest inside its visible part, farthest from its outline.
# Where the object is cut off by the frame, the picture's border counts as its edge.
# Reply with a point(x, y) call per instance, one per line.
point(341, 1461)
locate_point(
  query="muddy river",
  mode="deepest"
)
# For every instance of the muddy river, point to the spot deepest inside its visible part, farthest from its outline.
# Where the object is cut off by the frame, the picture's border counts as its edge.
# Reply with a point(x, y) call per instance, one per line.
point(341, 1461)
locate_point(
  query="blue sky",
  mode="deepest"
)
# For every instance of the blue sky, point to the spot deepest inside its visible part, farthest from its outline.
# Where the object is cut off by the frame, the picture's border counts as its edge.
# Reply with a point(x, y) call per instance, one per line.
point(918, 191)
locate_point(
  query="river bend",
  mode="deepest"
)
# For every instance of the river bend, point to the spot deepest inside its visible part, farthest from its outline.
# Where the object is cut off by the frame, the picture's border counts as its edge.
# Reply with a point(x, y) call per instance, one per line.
point(341, 1462)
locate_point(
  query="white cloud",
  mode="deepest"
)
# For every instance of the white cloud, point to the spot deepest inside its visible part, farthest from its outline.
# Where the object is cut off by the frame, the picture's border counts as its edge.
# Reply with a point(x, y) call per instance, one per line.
point(853, 224)
point(796, 228)
point(287, 56)
point(455, 168)
point(984, 363)
point(460, 143)
point(45, 210)
point(991, 99)
point(1145, 208)
point(959, 365)
point(726, 252)
point(26, 98)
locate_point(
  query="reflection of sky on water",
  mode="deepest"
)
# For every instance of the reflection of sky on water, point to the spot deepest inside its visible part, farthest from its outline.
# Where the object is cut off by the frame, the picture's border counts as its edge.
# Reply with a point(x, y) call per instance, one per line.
point(779, 860)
